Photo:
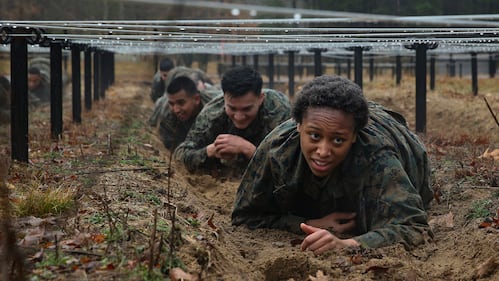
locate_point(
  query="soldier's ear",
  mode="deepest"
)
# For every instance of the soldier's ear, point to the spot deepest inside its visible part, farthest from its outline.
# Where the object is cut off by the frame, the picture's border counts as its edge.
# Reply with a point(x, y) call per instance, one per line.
point(298, 127)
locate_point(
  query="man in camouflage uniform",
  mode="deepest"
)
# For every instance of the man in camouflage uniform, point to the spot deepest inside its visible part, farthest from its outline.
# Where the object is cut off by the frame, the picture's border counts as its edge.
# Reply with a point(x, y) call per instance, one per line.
point(184, 103)
point(200, 79)
point(229, 128)
point(344, 171)
point(158, 85)
point(38, 86)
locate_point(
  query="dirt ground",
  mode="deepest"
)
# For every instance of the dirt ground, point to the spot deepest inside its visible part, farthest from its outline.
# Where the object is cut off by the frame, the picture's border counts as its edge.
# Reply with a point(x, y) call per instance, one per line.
point(129, 195)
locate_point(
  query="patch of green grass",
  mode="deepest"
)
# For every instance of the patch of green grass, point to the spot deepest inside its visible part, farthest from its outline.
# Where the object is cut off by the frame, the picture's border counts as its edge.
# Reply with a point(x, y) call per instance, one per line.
point(153, 198)
point(50, 259)
point(114, 236)
point(135, 160)
point(96, 218)
point(193, 222)
point(479, 209)
point(162, 226)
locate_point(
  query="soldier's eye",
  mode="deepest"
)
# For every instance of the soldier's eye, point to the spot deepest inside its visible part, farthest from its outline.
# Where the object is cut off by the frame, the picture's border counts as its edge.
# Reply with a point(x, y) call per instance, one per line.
point(314, 136)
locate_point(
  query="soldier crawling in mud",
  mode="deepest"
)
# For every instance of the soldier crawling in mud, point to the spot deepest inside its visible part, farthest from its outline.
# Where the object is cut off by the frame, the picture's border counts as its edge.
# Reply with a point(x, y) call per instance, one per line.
point(158, 86)
point(229, 128)
point(183, 104)
point(344, 171)
point(38, 87)
point(202, 83)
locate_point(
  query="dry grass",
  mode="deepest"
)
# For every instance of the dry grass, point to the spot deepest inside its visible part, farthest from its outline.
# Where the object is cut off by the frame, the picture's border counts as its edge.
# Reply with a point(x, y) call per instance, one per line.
point(39, 202)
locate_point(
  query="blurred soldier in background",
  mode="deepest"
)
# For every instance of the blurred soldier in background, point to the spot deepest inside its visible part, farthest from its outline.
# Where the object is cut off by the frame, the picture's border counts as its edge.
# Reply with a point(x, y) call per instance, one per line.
point(203, 84)
point(158, 86)
point(38, 86)
point(39, 80)
point(184, 103)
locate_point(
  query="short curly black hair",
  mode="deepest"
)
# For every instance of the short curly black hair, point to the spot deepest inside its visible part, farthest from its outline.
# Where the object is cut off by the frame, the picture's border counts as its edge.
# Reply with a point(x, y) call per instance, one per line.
point(240, 80)
point(334, 92)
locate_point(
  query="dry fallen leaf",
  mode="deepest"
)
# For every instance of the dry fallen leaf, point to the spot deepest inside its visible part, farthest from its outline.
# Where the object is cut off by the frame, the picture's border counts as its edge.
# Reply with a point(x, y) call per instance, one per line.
point(178, 274)
point(445, 221)
point(492, 154)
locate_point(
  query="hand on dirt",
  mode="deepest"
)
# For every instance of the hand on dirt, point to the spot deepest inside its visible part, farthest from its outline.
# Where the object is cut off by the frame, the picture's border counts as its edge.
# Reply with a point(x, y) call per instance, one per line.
point(320, 240)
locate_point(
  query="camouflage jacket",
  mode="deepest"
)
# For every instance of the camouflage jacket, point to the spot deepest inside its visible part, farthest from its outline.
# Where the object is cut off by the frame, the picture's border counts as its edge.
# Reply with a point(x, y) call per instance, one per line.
point(174, 131)
point(384, 179)
point(213, 121)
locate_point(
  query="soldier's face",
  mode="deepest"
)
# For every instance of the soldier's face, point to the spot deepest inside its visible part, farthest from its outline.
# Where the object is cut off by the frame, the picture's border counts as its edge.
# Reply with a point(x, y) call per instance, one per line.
point(243, 110)
point(164, 75)
point(326, 136)
point(33, 81)
point(183, 105)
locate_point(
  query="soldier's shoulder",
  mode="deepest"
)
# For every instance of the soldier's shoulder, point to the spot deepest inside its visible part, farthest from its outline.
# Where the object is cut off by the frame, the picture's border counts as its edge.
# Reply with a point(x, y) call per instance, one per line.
point(212, 110)
point(276, 97)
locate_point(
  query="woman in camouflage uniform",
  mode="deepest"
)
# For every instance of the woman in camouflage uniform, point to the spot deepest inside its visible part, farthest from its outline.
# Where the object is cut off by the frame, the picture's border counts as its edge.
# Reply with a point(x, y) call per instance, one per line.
point(344, 171)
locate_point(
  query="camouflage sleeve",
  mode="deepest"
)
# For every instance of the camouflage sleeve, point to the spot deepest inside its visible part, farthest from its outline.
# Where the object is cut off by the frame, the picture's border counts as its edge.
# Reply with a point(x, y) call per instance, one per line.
point(159, 111)
point(167, 128)
point(394, 211)
point(192, 151)
point(255, 204)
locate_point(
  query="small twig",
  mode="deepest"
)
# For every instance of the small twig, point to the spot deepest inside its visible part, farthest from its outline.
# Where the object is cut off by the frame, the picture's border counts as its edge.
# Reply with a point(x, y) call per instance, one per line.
point(109, 146)
point(491, 112)
point(81, 150)
point(160, 247)
point(56, 248)
point(113, 171)
point(152, 241)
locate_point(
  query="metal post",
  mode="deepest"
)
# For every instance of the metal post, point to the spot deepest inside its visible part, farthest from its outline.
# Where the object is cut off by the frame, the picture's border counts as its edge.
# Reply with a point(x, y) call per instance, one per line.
point(112, 68)
point(317, 61)
point(452, 66)
point(97, 80)
point(421, 88)
point(291, 73)
point(432, 73)
point(398, 69)
point(270, 71)
point(56, 89)
point(76, 82)
point(88, 79)
point(19, 98)
point(103, 73)
point(255, 62)
point(358, 65)
point(349, 68)
point(492, 65)
point(371, 69)
point(474, 74)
